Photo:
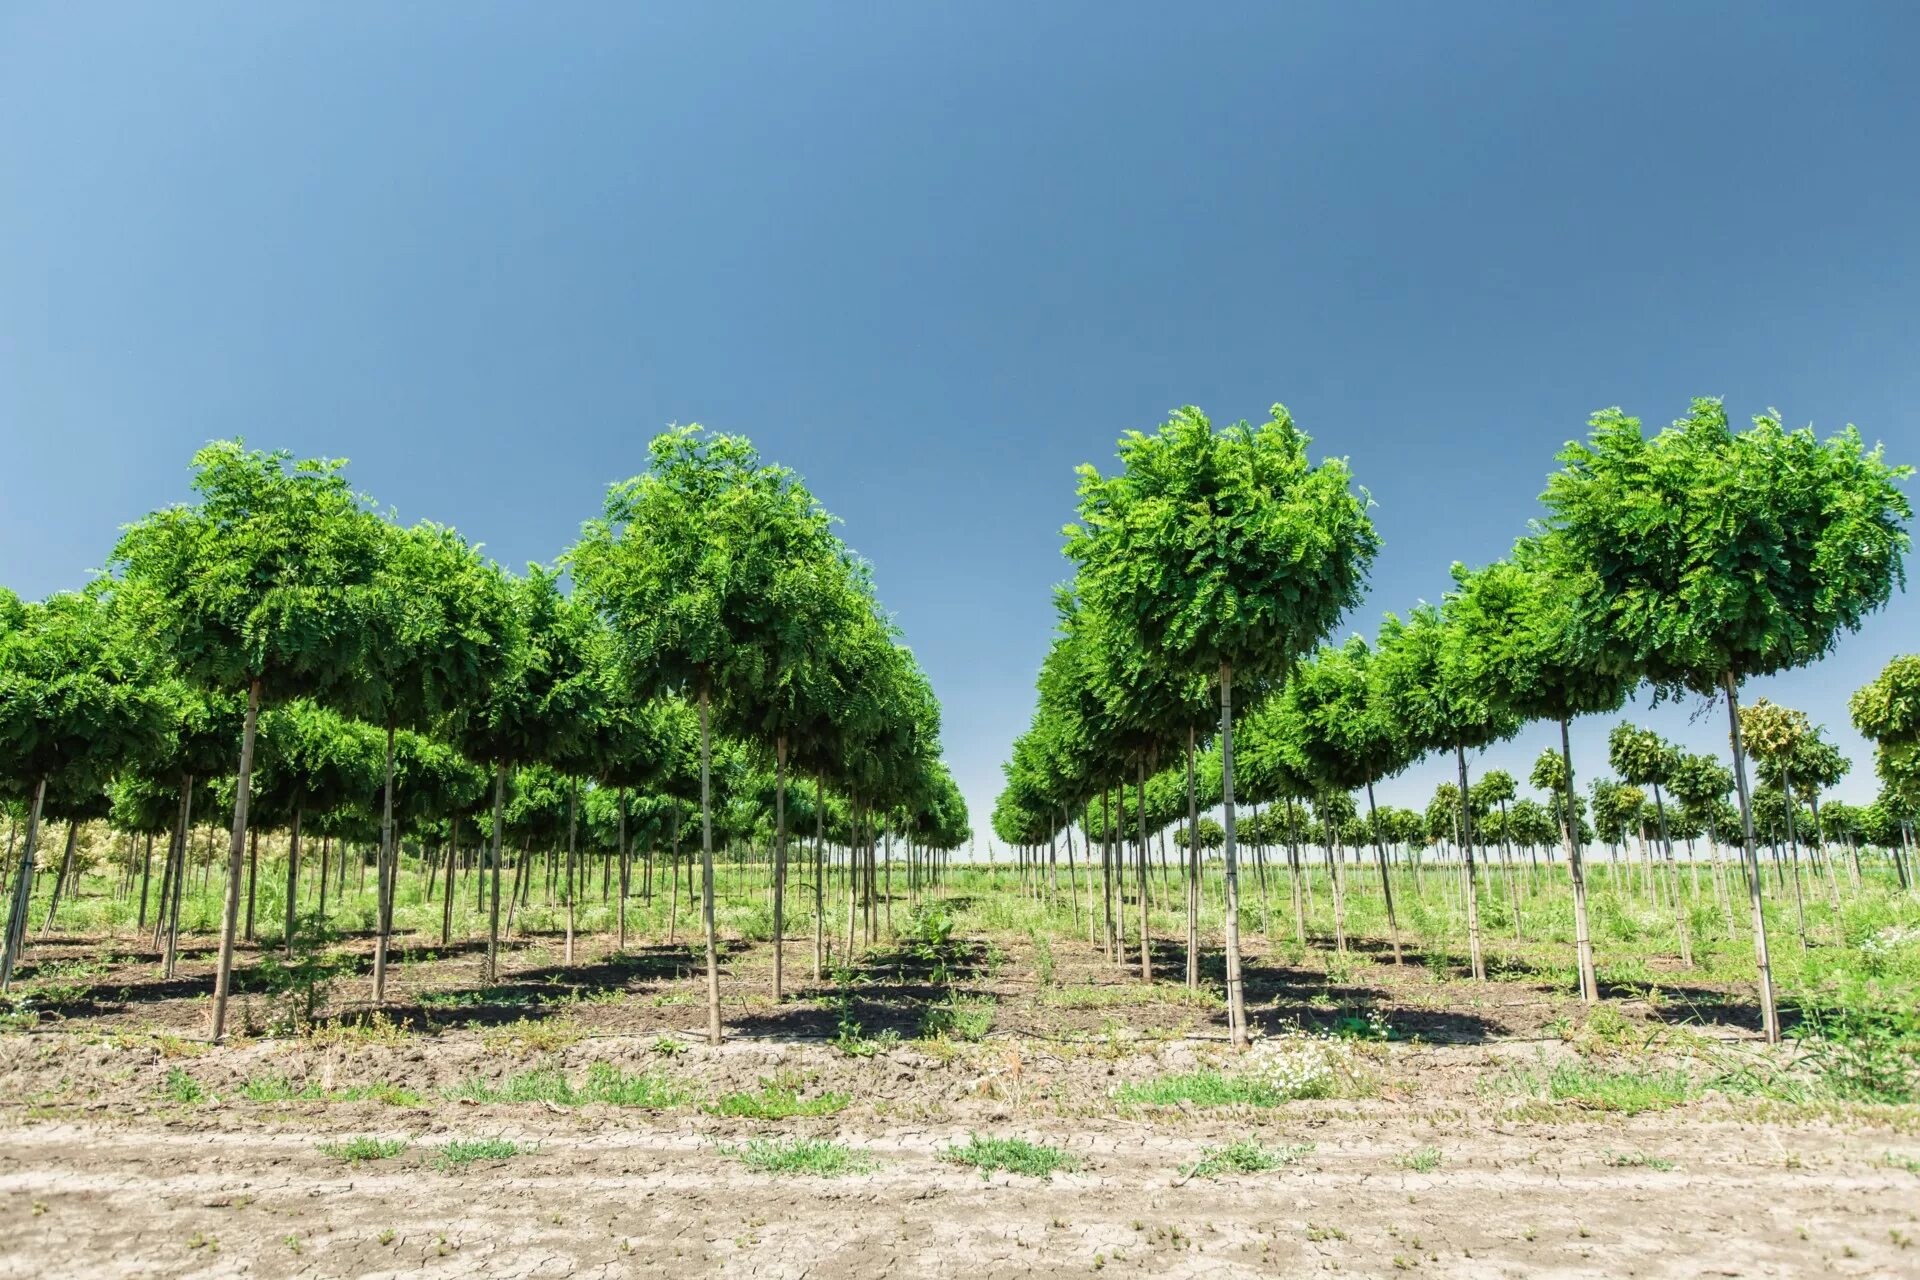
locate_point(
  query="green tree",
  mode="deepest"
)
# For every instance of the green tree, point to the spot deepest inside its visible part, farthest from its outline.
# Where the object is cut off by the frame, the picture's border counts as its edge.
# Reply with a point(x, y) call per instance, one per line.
point(77, 705)
point(1701, 557)
point(544, 703)
point(709, 568)
point(1645, 759)
point(258, 588)
point(1223, 552)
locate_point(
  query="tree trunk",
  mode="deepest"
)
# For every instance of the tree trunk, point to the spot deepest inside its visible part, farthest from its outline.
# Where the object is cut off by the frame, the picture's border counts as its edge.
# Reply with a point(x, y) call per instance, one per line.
point(819, 877)
point(381, 892)
point(1386, 885)
point(779, 863)
point(446, 890)
point(22, 891)
point(1193, 871)
point(1473, 888)
point(1236, 994)
point(1140, 863)
point(223, 979)
point(293, 881)
point(146, 880)
point(493, 871)
point(64, 874)
point(1770, 1019)
point(572, 887)
point(706, 872)
point(1582, 938)
point(1673, 879)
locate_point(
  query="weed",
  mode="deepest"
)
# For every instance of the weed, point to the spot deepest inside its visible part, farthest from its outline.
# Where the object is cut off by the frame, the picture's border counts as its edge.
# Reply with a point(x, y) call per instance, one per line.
point(813, 1156)
point(1423, 1160)
point(1634, 1160)
point(604, 1082)
point(459, 1153)
point(1015, 1155)
point(361, 1149)
point(183, 1088)
point(778, 1099)
point(1244, 1156)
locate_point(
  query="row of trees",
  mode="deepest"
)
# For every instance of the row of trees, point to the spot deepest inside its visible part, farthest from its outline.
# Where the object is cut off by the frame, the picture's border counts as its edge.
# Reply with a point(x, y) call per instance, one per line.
point(282, 620)
point(1687, 561)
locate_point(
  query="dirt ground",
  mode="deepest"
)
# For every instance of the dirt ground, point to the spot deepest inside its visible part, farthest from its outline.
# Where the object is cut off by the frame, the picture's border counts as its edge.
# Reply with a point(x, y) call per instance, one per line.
point(110, 1165)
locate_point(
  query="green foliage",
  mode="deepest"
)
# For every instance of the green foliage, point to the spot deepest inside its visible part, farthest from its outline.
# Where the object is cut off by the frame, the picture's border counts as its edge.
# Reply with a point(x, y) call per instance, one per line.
point(1420, 1160)
point(1014, 1155)
point(1222, 547)
point(1701, 553)
point(266, 578)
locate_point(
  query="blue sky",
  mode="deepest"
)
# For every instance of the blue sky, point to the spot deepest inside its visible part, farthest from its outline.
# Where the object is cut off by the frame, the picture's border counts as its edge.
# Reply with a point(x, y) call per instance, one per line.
point(934, 256)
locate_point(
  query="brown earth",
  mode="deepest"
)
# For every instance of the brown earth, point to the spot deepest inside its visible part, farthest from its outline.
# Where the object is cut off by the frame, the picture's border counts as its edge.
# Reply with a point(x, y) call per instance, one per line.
point(106, 1170)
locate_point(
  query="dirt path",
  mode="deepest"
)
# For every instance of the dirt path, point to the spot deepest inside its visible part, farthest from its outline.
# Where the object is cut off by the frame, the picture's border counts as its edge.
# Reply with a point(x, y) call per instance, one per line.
point(140, 1198)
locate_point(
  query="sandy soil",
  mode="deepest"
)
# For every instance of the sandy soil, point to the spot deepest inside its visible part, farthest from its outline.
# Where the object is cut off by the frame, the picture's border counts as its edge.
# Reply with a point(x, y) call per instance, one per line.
point(102, 1175)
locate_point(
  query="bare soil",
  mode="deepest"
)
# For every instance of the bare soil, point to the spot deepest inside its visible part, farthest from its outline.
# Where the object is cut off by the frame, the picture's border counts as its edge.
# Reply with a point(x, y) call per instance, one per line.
point(106, 1170)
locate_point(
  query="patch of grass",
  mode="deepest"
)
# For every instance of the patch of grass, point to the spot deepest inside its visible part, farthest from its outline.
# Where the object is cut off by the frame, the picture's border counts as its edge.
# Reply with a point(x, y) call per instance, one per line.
point(534, 1035)
point(1628, 1092)
point(1015, 1155)
point(816, 1157)
point(1129, 995)
point(777, 1099)
point(1897, 1161)
point(183, 1088)
point(958, 1017)
point(461, 1152)
point(1422, 1160)
point(604, 1083)
point(1244, 1156)
point(361, 1149)
point(392, 1094)
point(1634, 1160)
point(1205, 1087)
point(278, 1089)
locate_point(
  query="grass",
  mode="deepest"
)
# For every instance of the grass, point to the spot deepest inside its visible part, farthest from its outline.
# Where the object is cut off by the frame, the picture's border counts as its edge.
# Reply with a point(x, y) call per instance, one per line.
point(777, 1099)
point(1421, 1160)
point(361, 1149)
point(1014, 1155)
point(1634, 1160)
point(1203, 1087)
point(604, 1083)
point(1244, 1156)
point(1627, 1092)
point(461, 1152)
point(183, 1088)
point(815, 1157)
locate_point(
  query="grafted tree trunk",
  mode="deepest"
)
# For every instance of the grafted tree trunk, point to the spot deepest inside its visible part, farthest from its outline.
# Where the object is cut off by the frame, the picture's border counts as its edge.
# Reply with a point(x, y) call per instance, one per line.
point(1769, 1018)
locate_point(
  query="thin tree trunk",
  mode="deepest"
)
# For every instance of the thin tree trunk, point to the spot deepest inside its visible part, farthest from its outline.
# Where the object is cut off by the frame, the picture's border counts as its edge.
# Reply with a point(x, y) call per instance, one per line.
point(223, 979)
point(22, 891)
point(706, 873)
point(382, 894)
point(1386, 885)
point(1193, 871)
point(1673, 877)
point(572, 888)
point(293, 880)
point(1146, 941)
point(493, 870)
point(64, 874)
point(1769, 1018)
point(779, 863)
point(1473, 888)
point(1236, 993)
point(446, 890)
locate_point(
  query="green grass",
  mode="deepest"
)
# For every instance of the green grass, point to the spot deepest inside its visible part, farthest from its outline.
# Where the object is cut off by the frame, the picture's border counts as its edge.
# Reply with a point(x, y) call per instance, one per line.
point(777, 1100)
point(281, 1089)
point(183, 1088)
point(815, 1157)
point(604, 1083)
point(1015, 1155)
point(461, 1152)
point(1897, 1161)
point(1244, 1156)
point(1203, 1087)
point(362, 1149)
point(1627, 1092)
point(1422, 1160)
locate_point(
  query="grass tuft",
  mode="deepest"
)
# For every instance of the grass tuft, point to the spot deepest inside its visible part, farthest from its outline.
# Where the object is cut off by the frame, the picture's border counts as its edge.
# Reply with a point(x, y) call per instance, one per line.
point(1015, 1155)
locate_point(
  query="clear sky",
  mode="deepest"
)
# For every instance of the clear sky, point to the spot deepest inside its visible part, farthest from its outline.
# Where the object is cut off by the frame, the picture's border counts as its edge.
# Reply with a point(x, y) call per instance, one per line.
point(932, 256)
